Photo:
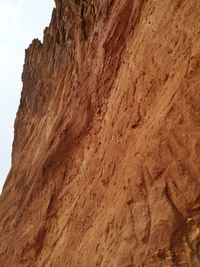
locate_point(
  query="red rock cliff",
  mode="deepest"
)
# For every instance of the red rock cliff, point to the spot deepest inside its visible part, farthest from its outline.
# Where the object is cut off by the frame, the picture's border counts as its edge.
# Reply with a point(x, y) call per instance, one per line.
point(106, 155)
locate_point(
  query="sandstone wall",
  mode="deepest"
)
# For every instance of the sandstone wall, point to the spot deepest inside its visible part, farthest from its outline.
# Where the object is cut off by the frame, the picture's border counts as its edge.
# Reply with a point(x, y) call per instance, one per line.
point(106, 155)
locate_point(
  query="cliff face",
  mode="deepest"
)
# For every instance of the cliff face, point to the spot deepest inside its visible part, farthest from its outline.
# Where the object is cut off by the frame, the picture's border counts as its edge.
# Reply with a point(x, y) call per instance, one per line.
point(106, 155)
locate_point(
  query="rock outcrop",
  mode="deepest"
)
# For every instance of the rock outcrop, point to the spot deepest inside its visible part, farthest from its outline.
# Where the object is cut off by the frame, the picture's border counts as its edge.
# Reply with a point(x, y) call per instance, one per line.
point(106, 155)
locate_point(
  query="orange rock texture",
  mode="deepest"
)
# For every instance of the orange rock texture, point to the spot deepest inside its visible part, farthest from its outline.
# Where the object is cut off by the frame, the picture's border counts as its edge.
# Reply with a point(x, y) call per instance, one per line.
point(106, 155)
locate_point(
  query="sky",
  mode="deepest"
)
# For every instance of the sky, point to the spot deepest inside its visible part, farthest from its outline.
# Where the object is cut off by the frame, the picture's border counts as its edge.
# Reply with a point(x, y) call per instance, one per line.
point(20, 22)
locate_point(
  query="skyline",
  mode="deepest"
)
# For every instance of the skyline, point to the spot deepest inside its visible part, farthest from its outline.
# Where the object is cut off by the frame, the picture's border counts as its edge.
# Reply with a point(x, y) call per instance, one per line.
point(23, 21)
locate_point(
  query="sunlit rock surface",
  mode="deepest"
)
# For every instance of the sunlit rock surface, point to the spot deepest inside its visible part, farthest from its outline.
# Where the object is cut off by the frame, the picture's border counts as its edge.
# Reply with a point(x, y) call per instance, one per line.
point(106, 155)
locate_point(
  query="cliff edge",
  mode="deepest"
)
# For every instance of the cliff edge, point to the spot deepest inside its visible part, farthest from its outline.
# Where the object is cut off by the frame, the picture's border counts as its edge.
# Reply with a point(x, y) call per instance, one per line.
point(106, 154)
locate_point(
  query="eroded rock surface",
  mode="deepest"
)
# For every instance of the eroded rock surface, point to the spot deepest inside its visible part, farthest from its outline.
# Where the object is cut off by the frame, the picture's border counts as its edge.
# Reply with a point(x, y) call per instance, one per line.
point(106, 155)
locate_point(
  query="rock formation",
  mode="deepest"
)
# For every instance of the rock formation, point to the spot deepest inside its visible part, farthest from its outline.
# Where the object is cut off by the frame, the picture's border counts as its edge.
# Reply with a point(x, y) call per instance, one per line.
point(106, 154)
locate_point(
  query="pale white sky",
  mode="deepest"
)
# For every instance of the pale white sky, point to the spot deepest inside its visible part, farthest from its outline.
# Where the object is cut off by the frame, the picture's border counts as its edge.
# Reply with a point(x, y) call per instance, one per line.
point(20, 22)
